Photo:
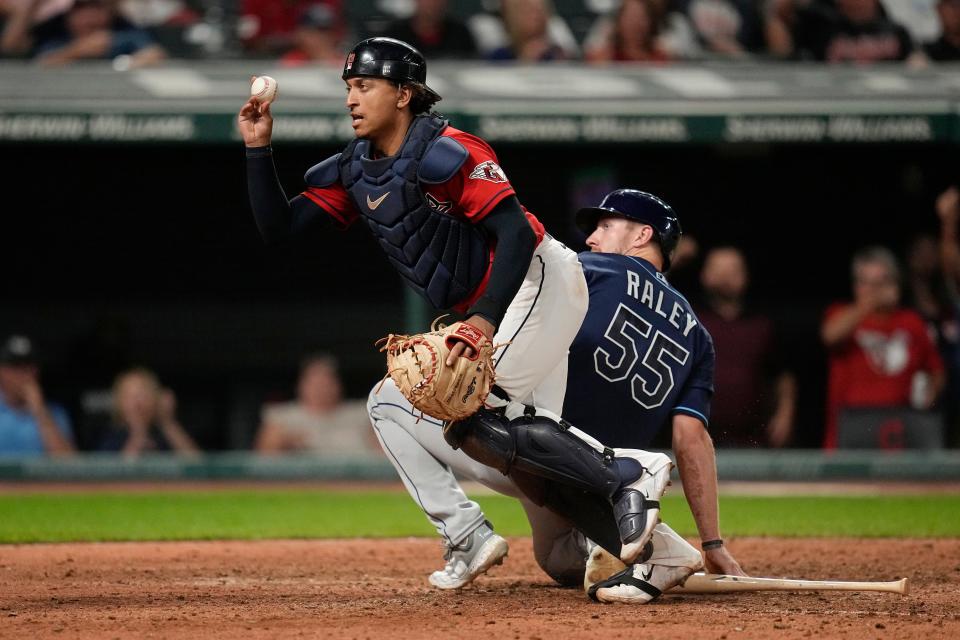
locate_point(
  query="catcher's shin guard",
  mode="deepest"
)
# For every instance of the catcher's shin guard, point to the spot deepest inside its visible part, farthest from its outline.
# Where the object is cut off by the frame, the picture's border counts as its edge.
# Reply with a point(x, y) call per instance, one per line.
point(557, 469)
point(537, 445)
point(486, 437)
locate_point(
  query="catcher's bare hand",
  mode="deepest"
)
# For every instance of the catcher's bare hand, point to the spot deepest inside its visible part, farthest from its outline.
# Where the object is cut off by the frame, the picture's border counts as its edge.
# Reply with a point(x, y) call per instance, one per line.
point(720, 560)
point(462, 348)
point(255, 123)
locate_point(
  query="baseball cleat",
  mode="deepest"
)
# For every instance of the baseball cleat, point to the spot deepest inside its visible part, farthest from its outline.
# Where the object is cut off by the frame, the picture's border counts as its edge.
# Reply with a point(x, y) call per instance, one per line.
point(481, 550)
point(601, 564)
point(639, 583)
point(637, 504)
point(671, 561)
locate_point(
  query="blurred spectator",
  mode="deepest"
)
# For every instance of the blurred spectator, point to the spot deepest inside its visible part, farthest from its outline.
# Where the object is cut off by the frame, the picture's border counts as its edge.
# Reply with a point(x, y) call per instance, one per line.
point(87, 30)
point(169, 21)
point(633, 35)
point(28, 424)
point(926, 291)
point(948, 209)
point(268, 27)
point(755, 401)
point(780, 20)
point(878, 351)
point(527, 23)
point(436, 34)
point(20, 16)
point(319, 420)
point(841, 31)
point(157, 13)
point(317, 38)
point(728, 28)
point(684, 272)
point(145, 418)
point(929, 294)
point(947, 47)
point(918, 17)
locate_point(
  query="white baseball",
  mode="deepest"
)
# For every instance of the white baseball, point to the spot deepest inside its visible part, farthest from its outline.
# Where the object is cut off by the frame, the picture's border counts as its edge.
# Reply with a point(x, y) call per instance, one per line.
point(264, 89)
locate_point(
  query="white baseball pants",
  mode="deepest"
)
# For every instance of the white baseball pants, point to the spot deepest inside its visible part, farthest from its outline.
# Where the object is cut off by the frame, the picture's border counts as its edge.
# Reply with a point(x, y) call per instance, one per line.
point(531, 366)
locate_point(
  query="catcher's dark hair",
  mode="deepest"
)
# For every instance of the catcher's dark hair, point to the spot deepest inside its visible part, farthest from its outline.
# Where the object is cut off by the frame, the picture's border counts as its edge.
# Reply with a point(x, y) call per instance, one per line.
point(422, 100)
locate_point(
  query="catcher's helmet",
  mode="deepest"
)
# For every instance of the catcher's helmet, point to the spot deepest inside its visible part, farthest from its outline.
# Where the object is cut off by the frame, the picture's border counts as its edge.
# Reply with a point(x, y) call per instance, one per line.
point(387, 58)
point(642, 207)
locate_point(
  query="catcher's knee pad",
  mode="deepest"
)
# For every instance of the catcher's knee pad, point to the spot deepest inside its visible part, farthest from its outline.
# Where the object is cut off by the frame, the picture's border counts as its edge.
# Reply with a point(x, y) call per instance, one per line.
point(546, 448)
point(486, 437)
point(630, 510)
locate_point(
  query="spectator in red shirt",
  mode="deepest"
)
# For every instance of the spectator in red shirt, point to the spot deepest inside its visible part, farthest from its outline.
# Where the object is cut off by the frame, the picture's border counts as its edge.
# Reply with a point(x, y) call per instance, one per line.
point(876, 347)
point(268, 26)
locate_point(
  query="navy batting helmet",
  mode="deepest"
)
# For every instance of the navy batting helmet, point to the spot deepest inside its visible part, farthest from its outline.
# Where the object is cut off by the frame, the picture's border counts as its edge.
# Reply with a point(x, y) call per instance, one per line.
point(387, 58)
point(641, 207)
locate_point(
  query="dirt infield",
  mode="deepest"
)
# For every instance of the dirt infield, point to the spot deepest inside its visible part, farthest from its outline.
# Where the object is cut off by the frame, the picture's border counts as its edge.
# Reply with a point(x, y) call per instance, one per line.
point(378, 589)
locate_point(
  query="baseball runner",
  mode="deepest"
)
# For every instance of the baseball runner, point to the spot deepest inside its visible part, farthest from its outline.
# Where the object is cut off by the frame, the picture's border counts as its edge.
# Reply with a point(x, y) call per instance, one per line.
point(640, 360)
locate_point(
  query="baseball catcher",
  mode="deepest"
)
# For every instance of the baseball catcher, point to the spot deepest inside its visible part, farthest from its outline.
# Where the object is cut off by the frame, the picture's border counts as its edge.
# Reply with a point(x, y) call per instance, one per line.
point(449, 222)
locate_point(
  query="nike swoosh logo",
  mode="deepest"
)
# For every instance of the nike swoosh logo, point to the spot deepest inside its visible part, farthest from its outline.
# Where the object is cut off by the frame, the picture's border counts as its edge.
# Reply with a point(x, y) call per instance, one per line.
point(373, 204)
point(646, 576)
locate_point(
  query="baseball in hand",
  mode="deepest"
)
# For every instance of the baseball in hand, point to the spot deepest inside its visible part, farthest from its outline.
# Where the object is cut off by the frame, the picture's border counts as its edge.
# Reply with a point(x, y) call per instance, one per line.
point(264, 88)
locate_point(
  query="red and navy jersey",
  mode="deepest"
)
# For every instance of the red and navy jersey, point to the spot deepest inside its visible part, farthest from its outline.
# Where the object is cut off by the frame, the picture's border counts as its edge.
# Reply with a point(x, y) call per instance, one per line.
point(478, 187)
point(472, 193)
point(640, 357)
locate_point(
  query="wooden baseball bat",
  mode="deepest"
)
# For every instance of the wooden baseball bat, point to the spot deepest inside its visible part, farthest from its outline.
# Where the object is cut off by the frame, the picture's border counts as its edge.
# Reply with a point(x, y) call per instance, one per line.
point(719, 583)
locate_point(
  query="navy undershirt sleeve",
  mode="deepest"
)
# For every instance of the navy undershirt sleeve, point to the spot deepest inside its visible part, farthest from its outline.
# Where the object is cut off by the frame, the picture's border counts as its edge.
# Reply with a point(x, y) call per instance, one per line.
point(515, 243)
point(277, 218)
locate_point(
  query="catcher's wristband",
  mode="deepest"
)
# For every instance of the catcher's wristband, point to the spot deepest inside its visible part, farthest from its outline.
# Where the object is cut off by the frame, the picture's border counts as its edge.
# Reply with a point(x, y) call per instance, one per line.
point(259, 152)
point(711, 544)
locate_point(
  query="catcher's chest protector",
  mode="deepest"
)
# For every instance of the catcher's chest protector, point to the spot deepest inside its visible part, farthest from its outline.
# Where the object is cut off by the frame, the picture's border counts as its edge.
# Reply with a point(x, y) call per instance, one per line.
point(443, 258)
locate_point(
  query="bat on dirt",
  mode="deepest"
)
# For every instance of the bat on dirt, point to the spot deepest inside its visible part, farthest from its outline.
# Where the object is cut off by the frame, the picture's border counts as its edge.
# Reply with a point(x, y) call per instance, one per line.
point(719, 583)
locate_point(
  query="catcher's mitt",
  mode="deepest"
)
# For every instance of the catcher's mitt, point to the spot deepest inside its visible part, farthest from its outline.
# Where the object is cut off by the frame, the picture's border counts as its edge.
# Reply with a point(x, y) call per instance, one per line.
point(418, 365)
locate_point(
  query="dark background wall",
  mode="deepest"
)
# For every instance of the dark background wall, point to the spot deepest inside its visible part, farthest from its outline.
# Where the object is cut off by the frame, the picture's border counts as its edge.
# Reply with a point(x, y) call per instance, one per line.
point(149, 254)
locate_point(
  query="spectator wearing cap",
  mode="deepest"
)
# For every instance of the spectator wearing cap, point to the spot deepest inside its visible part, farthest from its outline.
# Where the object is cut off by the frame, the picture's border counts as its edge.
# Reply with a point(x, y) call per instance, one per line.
point(28, 424)
point(317, 38)
point(434, 32)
